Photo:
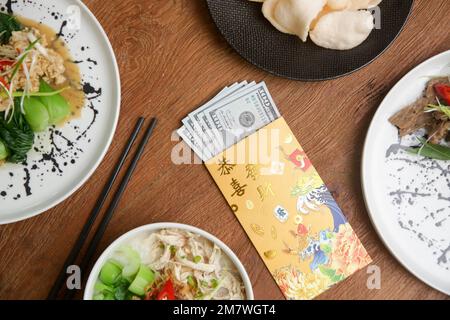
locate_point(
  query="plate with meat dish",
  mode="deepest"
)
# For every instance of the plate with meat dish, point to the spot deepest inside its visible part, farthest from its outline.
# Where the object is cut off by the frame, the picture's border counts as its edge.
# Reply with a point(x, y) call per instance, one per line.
point(59, 103)
point(406, 171)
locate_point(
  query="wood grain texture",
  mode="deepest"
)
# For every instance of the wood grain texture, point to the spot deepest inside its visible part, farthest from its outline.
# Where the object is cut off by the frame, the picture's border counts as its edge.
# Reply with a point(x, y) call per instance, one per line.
point(171, 59)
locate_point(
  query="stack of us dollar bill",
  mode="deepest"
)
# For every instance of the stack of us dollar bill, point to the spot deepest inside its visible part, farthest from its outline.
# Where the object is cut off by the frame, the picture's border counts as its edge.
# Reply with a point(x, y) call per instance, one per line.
point(233, 114)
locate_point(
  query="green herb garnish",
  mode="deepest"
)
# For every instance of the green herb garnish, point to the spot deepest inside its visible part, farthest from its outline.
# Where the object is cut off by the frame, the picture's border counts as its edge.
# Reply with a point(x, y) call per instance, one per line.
point(19, 94)
point(8, 24)
point(441, 109)
point(197, 259)
point(214, 283)
point(433, 151)
point(18, 64)
point(192, 282)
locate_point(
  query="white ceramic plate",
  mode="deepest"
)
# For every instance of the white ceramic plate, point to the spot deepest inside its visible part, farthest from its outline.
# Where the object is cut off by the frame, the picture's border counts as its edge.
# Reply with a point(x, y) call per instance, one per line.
point(59, 166)
point(149, 229)
point(408, 197)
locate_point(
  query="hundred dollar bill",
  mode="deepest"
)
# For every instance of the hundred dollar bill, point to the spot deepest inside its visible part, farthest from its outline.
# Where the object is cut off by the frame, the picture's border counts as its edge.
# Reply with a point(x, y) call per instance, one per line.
point(193, 128)
point(195, 144)
point(234, 113)
point(199, 119)
point(238, 116)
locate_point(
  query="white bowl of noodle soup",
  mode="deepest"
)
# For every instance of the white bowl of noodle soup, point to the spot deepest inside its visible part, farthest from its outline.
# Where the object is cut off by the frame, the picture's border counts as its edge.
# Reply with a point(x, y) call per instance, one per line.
point(140, 238)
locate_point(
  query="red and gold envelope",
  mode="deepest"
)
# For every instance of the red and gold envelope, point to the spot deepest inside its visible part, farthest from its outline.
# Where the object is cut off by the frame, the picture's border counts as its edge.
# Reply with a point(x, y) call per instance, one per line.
point(288, 213)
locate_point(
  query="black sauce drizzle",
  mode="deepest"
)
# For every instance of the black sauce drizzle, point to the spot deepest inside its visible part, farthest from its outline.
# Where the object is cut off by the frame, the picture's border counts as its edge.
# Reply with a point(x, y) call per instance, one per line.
point(9, 5)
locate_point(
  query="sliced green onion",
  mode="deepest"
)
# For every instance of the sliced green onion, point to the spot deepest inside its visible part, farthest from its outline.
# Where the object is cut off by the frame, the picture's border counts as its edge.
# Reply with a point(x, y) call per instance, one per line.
point(110, 273)
point(22, 58)
point(19, 94)
point(197, 259)
point(144, 278)
point(445, 110)
point(192, 282)
point(10, 100)
point(214, 283)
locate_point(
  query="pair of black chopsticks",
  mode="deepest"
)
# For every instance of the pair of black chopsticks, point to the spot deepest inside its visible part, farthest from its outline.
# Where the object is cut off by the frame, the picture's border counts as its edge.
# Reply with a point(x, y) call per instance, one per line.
point(71, 258)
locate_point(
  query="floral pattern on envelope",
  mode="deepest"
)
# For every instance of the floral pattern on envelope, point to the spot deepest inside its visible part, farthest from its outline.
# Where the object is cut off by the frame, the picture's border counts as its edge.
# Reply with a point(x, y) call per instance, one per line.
point(288, 213)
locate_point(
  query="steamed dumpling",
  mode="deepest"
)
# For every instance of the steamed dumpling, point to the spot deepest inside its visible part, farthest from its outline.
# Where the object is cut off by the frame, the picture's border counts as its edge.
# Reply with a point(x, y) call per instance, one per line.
point(293, 16)
point(342, 30)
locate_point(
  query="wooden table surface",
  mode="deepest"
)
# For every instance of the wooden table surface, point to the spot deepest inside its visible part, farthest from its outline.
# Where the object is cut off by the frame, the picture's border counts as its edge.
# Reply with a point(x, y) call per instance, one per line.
point(171, 59)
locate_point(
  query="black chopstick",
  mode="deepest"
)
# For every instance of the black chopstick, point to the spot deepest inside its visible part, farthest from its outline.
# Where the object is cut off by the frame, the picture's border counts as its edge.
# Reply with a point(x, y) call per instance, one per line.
point(70, 260)
point(112, 207)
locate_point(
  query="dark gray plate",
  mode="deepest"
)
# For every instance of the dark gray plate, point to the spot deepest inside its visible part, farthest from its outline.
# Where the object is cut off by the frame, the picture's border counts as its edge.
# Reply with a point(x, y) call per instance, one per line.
point(244, 27)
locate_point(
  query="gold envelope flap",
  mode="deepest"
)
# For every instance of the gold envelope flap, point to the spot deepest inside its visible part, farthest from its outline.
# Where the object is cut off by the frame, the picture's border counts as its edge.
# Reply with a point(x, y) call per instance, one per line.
point(288, 213)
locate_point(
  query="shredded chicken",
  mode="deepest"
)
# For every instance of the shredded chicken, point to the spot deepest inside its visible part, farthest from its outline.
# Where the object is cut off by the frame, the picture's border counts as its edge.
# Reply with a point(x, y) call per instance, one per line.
point(186, 257)
point(40, 62)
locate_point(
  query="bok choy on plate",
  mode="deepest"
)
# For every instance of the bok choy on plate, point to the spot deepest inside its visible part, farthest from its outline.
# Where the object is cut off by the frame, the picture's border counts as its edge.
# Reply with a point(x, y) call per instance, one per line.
point(38, 88)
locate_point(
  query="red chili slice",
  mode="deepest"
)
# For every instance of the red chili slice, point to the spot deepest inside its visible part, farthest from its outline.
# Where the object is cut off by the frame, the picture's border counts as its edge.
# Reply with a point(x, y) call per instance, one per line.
point(4, 82)
point(4, 63)
point(167, 292)
point(443, 92)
